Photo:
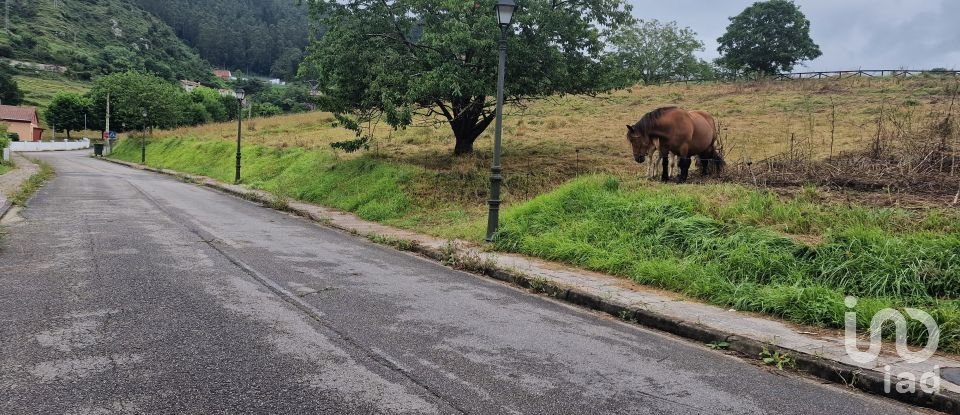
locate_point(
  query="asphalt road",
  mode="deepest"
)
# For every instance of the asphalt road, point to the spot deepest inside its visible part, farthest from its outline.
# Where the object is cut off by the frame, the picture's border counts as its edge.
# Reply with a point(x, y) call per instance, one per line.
point(129, 292)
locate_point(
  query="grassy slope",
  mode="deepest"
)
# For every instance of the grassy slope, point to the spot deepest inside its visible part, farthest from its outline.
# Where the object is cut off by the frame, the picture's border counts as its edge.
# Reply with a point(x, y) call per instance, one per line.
point(40, 90)
point(727, 244)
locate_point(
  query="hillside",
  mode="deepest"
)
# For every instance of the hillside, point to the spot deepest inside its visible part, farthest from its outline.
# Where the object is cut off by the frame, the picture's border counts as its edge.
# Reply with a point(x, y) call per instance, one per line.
point(264, 37)
point(92, 38)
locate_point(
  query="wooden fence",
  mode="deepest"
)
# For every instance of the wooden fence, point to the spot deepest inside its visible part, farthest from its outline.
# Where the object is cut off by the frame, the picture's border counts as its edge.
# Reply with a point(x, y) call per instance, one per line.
point(860, 73)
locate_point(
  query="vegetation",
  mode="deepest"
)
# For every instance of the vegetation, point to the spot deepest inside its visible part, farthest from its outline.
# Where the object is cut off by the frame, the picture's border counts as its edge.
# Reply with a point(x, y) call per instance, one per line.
point(68, 112)
point(4, 142)
point(255, 36)
point(34, 183)
point(576, 196)
point(768, 37)
point(138, 100)
point(10, 93)
point(650, 52)
point(39, 89)
point(99, 37)
point(400, 59)
point(733, 246)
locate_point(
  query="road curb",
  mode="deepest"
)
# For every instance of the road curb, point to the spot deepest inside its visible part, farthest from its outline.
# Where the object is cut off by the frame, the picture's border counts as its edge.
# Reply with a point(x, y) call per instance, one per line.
point(5, 206)
point(870, 381)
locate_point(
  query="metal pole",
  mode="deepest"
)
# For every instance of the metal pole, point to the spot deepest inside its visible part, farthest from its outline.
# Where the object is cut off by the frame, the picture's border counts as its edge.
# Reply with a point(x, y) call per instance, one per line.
point(236, 178)
point(496, 176)
point(143, 143)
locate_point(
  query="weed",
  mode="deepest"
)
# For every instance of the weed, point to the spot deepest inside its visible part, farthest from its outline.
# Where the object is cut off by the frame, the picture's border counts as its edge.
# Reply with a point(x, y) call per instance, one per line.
point(401, 244)
point(777, 358)
point(539, 284)
point(719, 345)
point(628, 316)
point(455, 256)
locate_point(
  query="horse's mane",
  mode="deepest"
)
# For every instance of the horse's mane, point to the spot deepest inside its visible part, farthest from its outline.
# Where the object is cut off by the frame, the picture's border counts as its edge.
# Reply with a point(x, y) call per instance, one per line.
point(650, 119)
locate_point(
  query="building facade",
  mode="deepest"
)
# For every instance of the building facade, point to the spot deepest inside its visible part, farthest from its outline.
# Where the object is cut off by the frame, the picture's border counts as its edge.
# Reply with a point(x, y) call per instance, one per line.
point(22, 121)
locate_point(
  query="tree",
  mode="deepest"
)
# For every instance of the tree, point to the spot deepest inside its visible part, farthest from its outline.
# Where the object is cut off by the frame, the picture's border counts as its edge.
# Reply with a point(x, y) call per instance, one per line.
point(10, 93)
point(130, 94)
point(67, 111)
point(768, 37)
point(286, 65)
point(651, 52)
point(393, 60)
point(210, 101)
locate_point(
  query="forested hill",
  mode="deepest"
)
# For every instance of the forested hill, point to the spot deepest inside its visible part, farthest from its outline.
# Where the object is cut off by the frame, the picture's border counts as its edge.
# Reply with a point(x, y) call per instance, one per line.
point(95, 37)
point(265, 37)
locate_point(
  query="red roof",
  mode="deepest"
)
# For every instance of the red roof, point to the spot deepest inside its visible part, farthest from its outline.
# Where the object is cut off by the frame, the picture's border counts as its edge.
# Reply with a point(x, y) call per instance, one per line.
point(220, 73)
point(22, 114)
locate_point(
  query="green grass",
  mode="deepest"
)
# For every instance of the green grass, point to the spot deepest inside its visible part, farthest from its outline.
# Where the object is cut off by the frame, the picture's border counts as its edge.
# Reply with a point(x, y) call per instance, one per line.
point(728, 254)
point(40, 90)
point(5, 168)
point(33, 184)
point(373, 189)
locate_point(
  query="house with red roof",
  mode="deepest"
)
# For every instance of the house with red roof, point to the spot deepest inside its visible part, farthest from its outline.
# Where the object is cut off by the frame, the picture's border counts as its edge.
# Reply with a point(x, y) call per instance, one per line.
point(23, 121)
point(223, 74)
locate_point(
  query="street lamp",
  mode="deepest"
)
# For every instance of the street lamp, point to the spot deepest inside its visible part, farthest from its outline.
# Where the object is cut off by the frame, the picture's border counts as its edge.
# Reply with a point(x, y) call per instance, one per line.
point(143, 139)
point(241, 94)
point(504, 9)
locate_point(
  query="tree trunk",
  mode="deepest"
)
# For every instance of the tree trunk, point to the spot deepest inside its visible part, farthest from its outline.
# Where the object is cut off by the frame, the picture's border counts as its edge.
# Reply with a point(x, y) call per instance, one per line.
point(467, 122)
point(466, 134)
point(68, 134)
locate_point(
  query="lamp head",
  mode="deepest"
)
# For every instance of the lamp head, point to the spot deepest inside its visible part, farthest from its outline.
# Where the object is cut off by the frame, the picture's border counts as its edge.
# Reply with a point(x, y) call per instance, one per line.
point(241, 94)
point(505, 9)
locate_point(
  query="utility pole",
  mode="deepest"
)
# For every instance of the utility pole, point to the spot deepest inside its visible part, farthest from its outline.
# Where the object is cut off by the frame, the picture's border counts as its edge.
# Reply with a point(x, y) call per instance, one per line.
point(107, 131)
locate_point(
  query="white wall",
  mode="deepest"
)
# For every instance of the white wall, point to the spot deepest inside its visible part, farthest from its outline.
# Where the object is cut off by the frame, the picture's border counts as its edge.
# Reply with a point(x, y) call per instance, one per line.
point(27, 146)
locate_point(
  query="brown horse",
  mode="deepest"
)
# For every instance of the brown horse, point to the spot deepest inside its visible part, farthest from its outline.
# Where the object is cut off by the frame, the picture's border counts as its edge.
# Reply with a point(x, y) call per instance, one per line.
point(678, 131)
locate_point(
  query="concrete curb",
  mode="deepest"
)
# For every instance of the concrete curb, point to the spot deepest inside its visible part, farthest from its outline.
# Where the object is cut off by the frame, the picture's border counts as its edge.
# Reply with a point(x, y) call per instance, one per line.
point(870, 381)
point(5, 206)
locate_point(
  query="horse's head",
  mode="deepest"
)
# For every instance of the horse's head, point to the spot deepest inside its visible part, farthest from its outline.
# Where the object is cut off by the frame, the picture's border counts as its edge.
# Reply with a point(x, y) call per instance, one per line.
point(642, 143)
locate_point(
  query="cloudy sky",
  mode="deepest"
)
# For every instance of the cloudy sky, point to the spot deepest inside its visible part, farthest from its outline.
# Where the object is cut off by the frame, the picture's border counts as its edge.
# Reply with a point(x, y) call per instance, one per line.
point(867, 34)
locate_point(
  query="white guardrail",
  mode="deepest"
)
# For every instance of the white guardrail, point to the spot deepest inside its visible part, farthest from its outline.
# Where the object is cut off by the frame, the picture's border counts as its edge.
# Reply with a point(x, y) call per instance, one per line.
point(29, 146)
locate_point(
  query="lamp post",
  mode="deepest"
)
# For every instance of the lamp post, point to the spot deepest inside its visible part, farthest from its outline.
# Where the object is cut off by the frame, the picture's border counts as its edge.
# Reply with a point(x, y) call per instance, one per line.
point(241, 94)
point(143, 139)
point(504, 9)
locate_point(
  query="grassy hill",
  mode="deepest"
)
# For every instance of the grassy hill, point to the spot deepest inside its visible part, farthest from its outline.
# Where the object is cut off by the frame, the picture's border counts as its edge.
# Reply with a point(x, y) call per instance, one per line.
point(40, 89)
point(97, 37)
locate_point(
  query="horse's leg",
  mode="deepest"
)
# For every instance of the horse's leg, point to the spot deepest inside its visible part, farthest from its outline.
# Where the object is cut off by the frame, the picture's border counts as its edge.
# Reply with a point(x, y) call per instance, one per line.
point(704, 163)
point(666, 167)
point(684, 168)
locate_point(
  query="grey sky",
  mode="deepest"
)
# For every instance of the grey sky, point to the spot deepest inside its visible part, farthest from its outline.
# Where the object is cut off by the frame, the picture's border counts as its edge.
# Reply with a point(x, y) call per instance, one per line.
point(868, 34)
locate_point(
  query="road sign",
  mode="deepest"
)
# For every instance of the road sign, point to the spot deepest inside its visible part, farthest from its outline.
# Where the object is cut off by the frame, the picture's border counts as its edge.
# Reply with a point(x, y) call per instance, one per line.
point(113, 135)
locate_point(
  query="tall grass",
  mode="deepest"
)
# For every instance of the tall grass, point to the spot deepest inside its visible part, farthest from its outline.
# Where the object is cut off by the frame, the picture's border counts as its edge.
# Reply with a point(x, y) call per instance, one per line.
point(372, 189)
point(658, 236)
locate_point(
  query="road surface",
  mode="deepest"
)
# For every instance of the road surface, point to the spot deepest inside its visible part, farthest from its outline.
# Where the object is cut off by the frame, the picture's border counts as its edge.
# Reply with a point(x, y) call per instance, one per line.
point(124, 291)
